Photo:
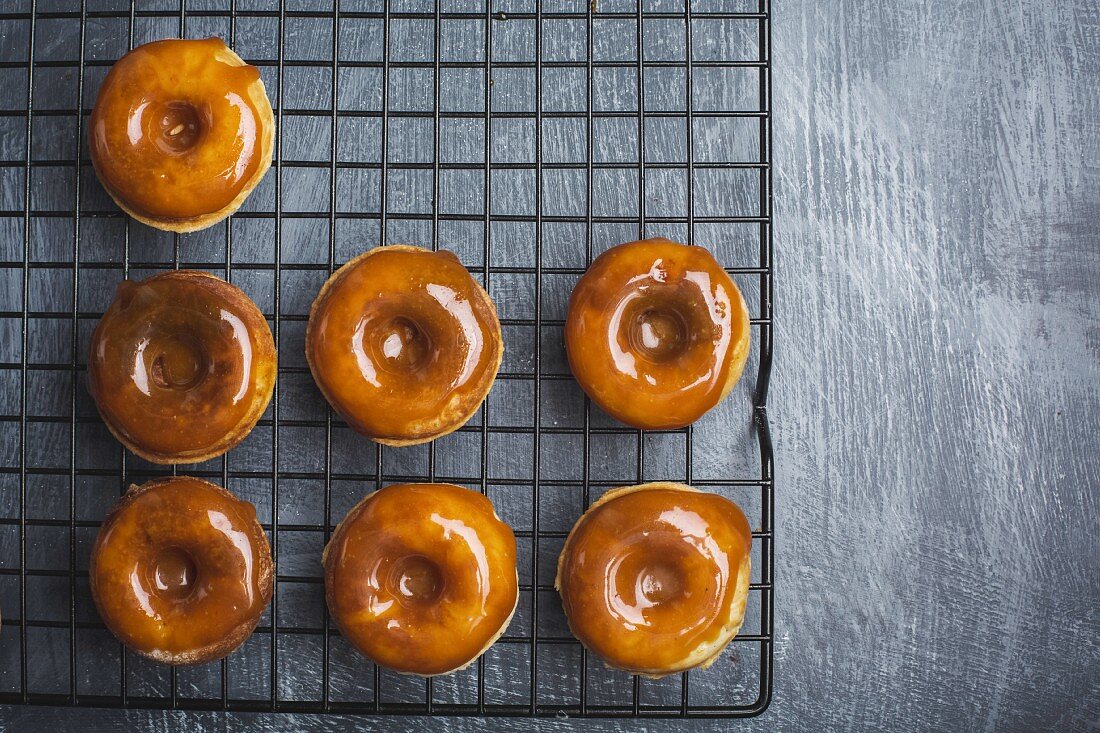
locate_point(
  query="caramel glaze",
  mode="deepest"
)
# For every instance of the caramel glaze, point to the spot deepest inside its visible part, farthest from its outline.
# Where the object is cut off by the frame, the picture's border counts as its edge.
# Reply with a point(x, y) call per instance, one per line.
point(657, 333)
point(404, 344)
point(181, 366)
point(654, 578)
point(181, 570)
point(421, 578)
point(180, 130)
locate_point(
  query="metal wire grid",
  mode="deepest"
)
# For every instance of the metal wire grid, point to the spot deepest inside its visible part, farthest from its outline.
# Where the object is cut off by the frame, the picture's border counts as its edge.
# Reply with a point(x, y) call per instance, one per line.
point(60, 470)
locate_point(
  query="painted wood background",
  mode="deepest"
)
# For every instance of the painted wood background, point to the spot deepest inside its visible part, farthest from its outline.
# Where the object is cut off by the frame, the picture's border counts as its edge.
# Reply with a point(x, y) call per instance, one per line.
point(936, 400)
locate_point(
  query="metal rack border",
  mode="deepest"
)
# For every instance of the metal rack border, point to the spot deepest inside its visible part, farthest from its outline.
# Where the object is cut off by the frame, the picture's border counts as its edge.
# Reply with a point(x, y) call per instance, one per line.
point(762, 325)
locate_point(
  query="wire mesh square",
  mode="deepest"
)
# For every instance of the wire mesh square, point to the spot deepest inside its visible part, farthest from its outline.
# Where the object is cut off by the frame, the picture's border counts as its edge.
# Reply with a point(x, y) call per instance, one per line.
point(527, 138)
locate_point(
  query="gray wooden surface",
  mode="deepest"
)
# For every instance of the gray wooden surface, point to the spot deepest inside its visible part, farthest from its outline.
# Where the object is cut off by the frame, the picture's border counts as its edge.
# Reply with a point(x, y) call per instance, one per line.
point(935, 402)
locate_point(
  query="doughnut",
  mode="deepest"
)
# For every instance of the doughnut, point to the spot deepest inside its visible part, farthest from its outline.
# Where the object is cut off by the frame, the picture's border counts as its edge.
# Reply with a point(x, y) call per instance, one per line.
point(656, 333)
point(653, 578)
point(421, 578)
point(181, 570)
point(404, 344)
point(181, 133)
point(181, 366)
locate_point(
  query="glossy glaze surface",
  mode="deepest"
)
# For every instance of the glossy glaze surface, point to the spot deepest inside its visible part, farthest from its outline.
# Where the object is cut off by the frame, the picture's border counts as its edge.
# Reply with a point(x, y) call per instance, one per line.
point(404, 343)
point(657, 333)
point(180, 569)
point(176, 128)
point(421, 577)
point(650, 575)
point(181, 365)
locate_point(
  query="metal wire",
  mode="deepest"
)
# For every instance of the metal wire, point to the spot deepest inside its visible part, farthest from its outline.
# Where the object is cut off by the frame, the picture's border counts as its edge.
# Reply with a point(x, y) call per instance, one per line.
point(47, 653)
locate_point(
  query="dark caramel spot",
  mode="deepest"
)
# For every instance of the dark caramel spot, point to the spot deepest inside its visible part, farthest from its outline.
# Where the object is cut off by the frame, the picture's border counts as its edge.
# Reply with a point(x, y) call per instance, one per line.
point(659, 334)
point(416, 579)
point(173, 574)
point(660, 583)
point(402, 346)
point(125, 293)
point(179, 128)
point(180, 362)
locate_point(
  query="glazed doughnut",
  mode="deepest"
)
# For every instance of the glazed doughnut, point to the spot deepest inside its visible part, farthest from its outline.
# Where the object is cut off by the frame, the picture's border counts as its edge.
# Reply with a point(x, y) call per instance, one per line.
point(181, 366)
point(657, 333)
point(181, 133)
point(404, 344)
point(181, 570)
point(421, 578)
point(654, 578)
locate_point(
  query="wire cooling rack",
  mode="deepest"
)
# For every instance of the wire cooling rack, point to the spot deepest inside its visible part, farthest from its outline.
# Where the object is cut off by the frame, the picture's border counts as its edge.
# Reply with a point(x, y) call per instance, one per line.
point(525, 137)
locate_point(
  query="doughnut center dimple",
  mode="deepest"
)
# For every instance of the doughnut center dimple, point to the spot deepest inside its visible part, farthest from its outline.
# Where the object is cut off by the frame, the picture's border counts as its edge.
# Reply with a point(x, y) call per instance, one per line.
point(179, 363)
point(179, 127)
point(659, 334)
point(402, 346)
point(659, 583)
point(416, 579)
point(174, 574)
